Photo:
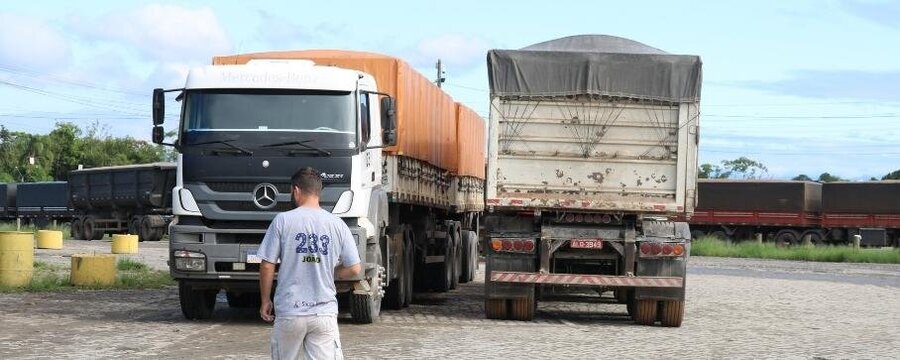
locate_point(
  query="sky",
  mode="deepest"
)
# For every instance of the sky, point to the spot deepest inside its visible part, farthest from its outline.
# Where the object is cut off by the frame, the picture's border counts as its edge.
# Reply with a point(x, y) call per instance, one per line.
point(804, 87)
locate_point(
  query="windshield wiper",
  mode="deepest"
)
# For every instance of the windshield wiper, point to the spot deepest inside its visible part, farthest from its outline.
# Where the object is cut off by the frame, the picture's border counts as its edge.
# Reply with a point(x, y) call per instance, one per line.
point(302, 144)
point(226, 143)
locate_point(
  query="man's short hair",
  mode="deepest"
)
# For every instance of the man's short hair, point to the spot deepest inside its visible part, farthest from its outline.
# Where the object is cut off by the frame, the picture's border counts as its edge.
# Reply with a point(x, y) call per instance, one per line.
point(308, 181)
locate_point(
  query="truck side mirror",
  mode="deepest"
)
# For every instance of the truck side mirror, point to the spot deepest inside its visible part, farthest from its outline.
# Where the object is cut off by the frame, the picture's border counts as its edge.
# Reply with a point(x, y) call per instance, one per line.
point(159, 107)
point(388, 121)
point(158, 135)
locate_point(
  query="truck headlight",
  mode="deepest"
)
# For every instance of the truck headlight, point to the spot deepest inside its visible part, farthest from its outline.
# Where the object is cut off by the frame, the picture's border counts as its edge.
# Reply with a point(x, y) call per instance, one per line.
point(189, 260)
point(344, 202)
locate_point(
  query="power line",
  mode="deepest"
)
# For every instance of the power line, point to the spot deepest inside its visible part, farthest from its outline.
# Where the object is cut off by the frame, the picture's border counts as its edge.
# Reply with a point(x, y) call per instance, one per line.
point(48, 77)
point(869, 116)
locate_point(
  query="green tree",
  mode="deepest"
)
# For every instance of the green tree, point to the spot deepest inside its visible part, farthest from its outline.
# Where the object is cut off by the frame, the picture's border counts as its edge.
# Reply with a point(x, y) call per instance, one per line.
point(802, 177)
point(894, 175)
point(710, 171)
point(826, 177)
point(740, 168)
point(31, 157)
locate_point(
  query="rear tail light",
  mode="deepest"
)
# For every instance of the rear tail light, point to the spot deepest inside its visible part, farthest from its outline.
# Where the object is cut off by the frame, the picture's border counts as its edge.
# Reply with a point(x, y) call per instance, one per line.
point(650, 248)
point(529, 246)
point(517, 245)
point(607, 219)
point(588, 218)
point(513, 245)
point(579, 217)
point(496, 244)
point(645, 248)
point(570, 217)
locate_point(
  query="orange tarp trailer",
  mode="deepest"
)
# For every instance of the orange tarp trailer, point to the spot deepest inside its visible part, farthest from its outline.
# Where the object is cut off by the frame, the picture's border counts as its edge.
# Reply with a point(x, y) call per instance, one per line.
point(427, 126)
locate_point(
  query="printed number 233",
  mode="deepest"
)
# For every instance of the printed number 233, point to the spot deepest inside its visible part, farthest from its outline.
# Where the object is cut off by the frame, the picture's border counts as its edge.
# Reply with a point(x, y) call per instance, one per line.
point(312, 243)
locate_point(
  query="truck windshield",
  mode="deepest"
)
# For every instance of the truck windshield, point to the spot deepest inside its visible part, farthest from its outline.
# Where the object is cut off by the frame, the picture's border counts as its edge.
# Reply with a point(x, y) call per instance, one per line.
point(254, 111)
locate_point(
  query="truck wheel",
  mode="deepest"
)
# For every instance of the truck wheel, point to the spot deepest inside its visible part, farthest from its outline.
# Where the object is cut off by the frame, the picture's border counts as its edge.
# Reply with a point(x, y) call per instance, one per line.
point(469, 259)
point(410, 264)
point(457, 255)
point(719, 235)
point(495, 309)
point(365, 309)
point(146, 230)
point(522, 309)
point(443, 272)
point(76, 229)
point(644, 312)
point(243, 300)
point(196, 304)
point(672, 313)
point(89, 229)
point(473, 265)
point(396, 291)
point(134, 226)
point(787, 237)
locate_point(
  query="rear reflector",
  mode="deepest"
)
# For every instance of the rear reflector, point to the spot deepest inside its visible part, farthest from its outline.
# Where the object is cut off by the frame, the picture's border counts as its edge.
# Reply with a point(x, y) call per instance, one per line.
point(529, 246)
point(496, 244)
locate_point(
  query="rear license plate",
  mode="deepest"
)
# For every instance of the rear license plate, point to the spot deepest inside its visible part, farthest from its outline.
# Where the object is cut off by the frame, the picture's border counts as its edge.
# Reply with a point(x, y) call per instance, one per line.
point(253, 258)
point(586, 244)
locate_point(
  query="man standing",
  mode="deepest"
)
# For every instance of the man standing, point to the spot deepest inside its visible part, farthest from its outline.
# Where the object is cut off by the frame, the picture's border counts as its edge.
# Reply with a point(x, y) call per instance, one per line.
point(310, 243)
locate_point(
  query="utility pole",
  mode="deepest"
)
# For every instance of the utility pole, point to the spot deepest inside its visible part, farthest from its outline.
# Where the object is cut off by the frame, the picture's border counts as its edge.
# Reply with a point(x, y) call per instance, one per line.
point(440, 74)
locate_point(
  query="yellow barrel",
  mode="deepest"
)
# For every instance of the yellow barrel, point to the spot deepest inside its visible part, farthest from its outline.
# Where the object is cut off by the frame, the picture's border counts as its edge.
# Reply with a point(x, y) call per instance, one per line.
point(93, 270)
point(16, 258)
point(49, 239)
point(124, 244)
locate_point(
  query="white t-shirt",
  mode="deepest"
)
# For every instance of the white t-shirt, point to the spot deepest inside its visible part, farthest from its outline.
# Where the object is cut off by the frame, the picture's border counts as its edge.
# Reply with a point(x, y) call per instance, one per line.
point(309, 243)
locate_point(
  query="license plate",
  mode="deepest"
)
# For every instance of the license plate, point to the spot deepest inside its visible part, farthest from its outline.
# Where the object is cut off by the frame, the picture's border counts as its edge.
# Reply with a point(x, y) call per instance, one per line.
point(253, 258)
point(586, 244)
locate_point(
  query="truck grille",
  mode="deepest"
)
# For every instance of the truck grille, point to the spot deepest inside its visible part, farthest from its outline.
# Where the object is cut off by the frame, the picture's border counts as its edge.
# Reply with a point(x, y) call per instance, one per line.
point(221, 186)
point(249, 206)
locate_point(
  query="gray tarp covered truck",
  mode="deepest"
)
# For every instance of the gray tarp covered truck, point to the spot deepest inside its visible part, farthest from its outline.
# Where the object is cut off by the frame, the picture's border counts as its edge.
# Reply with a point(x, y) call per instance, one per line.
point(592, 148)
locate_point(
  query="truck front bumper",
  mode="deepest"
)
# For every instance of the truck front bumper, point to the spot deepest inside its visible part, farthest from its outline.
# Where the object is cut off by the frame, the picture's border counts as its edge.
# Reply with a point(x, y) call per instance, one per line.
point(226, 262)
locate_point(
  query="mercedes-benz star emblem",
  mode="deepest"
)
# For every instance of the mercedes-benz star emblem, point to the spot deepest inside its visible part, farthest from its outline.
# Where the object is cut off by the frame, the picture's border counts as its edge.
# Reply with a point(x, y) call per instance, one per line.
point(265, 196)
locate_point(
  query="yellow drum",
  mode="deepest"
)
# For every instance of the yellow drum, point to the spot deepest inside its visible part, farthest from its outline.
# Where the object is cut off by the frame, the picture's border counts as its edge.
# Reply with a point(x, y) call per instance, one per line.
point(49, 239)
point(124, 244)
point(93, 270)
point(16, 258)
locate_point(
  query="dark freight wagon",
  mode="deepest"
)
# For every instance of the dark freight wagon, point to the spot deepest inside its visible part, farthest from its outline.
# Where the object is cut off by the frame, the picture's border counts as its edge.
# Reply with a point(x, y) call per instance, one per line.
point(135, 199)
point(789, 211)
point(784, 211)
point(42, 202)
point(868, 209)
point(7, 201)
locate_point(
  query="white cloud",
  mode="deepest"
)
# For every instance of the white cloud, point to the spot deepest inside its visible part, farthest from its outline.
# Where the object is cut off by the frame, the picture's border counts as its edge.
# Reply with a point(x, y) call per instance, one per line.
point(33, 44)
point(458, 53)
point(163, 32)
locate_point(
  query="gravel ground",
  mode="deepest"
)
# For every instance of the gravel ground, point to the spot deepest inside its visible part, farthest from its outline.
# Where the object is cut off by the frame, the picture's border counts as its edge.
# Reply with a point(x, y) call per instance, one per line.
point(736, 308)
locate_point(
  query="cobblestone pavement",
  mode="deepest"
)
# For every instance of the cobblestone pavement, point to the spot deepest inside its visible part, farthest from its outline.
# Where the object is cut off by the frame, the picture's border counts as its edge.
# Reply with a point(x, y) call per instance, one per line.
point(736, 308)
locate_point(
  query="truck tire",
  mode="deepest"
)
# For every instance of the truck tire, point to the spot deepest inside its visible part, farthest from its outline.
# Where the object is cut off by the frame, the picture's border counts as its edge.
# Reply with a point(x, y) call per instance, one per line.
point(411, 264)
point(134, 226)
point(495, 309)
point(196, 304)
point(395, 296)
point(672, 313)
point(76, 229)
point(644, 312)
point(786, 237)
point(469, 256)
point(146, 232)
point(247, 300)
point(522, 309)
point(457, 254)
point(443, 272)
point(366, 308)
point(89, 229)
